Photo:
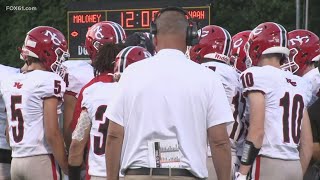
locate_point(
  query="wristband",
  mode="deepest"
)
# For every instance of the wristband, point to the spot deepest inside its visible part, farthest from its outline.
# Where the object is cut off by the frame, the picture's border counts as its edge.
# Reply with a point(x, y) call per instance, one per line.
point(249, 153)
point(74, 172)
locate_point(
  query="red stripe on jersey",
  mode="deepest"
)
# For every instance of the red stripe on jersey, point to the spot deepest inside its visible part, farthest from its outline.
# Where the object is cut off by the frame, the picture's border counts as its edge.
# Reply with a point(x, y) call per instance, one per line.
point(71, 93)
point(257, 173)
point(54, 168)
point(104, 77)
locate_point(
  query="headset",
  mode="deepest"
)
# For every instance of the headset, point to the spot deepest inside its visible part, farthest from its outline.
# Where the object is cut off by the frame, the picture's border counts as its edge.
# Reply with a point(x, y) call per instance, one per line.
point(192, 29)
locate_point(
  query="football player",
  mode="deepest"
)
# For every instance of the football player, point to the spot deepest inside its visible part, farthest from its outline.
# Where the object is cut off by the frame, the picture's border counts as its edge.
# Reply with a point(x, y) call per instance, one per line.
point(81, 72)
point(238, 59)
point(99, 34)
point(213, 52)
point(32, 100)
point(238, 55)
point(279, 133)
point(304, 48)
point(5, 150)
point(92, 124)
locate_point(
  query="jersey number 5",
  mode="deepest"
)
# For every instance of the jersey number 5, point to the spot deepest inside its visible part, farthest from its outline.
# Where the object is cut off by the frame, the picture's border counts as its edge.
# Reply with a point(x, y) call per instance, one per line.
point(100, 149)
point(16, 115)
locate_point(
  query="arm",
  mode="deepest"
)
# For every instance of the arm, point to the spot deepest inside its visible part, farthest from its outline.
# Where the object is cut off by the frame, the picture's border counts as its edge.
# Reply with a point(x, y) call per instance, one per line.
point(69, 105)
point(79, 141)
point(80, 137)
point(113, 150)
point(306, 145)
point(221, 150)
point(256, 128)
point(52, 132)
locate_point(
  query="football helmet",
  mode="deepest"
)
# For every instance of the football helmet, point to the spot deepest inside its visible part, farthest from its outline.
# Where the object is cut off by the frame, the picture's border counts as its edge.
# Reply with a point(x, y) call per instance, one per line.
point(101, 33)
point(49, 46)
point(142, 39)
point(215, 43)
point(238, 55)
point(304, 48)
point(128, 56)
point(266, 38)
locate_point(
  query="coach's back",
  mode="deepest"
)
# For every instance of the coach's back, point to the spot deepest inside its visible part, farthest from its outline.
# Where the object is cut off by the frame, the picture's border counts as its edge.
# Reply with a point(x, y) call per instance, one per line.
point(165, 106)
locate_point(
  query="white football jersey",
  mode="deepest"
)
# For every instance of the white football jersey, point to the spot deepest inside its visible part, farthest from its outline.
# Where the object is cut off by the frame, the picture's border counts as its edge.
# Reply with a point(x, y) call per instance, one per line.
point(95, 99)
point(313, 77)
point(23, 95)
point(79, 73)
point(230, 81)
point(5, 73)
point(286, 97)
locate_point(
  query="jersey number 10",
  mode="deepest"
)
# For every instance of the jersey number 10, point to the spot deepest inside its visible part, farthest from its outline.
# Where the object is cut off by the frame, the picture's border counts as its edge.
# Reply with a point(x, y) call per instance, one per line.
point(296, 117)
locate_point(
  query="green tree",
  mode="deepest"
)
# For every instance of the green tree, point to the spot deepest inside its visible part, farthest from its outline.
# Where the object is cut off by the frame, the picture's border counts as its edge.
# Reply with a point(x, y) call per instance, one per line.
point(15, 24)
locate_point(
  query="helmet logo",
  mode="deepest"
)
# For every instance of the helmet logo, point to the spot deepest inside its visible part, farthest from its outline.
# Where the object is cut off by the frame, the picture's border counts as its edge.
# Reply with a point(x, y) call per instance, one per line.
point(204, 33)
point(299, 39)
point(53, 36)
point(98, 33)
point(146, 54)
point(238, 43)
point(257, 31)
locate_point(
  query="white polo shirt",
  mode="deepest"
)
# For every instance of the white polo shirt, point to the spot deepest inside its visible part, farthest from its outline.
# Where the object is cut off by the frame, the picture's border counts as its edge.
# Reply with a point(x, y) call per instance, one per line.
point(166, 104)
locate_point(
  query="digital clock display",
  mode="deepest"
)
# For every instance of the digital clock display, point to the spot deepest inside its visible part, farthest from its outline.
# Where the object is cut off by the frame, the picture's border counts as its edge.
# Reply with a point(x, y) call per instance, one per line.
point(131, 20)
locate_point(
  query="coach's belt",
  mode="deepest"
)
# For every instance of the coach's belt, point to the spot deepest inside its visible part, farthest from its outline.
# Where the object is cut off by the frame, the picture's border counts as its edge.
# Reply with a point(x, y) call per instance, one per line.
point(5, 156)
point(159, 172)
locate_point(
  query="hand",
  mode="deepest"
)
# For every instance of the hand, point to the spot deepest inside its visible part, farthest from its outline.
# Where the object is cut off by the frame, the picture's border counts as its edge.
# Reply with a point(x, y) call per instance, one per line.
point(239, 176)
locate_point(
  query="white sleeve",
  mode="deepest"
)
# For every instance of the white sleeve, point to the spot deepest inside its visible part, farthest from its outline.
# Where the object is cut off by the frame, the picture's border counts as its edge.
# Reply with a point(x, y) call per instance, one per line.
point(253, 79)
point(85, 99)
point(219, 110)
point(115, 111)
point(52, 86)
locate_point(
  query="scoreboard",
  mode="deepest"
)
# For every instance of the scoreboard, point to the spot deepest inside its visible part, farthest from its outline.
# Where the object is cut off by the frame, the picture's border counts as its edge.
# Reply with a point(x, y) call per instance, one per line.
point(131, 15)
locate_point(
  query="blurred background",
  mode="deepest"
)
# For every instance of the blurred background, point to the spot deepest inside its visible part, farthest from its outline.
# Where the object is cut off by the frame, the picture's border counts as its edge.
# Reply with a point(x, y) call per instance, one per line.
point(234, 15)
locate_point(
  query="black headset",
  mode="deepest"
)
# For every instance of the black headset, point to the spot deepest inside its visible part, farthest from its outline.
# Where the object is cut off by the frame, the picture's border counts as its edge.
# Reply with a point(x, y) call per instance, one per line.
point(192, 29)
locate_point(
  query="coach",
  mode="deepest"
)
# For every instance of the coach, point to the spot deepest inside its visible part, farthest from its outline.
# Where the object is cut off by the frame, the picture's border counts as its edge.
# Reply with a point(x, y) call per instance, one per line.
point(166, 108)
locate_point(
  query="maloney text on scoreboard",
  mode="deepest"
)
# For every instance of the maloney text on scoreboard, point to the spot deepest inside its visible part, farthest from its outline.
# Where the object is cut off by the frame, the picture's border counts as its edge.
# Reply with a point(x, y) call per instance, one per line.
point(131, 20)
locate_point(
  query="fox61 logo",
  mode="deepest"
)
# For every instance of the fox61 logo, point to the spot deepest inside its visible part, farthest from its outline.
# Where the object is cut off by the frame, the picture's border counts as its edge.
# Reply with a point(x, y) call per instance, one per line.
point(20, 8)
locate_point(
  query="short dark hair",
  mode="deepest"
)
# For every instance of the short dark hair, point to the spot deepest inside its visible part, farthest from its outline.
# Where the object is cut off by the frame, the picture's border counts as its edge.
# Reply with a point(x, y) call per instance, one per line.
point(29, 60)
point(105, 58)
point(171, 22)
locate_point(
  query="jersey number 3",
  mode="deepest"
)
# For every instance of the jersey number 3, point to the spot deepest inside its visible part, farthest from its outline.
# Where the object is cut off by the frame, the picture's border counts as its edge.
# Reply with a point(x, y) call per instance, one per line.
point(100, 149)
point(16, 115)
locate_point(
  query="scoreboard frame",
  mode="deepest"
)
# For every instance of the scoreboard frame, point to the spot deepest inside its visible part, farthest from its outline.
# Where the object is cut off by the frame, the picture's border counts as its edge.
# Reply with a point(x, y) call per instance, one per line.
point(144, 15)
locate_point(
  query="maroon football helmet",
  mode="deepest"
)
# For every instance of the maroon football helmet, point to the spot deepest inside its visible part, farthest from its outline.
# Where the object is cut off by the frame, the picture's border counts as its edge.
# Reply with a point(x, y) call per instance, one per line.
point(266, 38)
point(215, 43)
point(128, 56)
point(304, 48)
point(238, 55)
point(101, 33)
point(49, 46)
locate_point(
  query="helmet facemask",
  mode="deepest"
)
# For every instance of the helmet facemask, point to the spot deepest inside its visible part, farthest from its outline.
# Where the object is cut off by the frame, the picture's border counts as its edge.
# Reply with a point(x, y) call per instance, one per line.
point(57, 67)
point(248, 61)
point(291, 65)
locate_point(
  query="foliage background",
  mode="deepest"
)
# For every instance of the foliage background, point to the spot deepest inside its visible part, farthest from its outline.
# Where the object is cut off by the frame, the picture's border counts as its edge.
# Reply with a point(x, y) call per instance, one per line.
point(234, 15)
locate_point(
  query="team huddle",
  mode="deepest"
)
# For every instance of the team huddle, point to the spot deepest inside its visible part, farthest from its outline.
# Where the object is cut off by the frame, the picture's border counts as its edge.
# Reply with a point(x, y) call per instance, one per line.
point(52, 110)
